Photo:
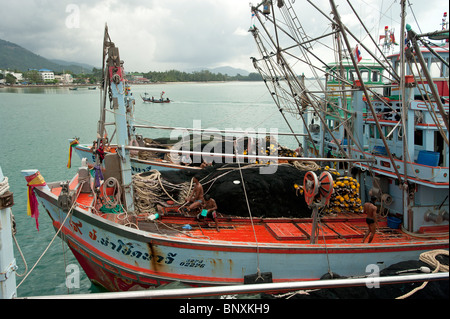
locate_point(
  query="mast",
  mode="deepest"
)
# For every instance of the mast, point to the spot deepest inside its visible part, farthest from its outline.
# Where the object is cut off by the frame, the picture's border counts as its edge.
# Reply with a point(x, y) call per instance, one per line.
point(405, 107)
point(103, 89)
point(115, 80)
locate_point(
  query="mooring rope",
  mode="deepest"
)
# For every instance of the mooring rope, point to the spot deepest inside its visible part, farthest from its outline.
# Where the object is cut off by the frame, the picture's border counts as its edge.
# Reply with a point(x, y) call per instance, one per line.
point(53, 239)
point(429, 258)
point(4, 186)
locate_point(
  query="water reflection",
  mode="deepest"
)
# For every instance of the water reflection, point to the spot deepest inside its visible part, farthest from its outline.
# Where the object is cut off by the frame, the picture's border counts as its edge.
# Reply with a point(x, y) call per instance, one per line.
point(31, 89)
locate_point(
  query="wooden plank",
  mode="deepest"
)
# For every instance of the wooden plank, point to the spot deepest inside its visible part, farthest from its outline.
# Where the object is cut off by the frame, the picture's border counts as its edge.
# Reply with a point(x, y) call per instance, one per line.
point(285, 231)
point(324, 231)
point(344, 230)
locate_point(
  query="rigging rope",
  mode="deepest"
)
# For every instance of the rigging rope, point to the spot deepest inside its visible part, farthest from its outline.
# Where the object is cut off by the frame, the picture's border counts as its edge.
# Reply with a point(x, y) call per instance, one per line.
point(251, 217)
point(69, 213)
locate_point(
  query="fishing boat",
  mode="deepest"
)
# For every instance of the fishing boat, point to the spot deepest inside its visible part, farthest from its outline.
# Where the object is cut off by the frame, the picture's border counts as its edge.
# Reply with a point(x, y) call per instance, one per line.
point(122, 245)
point(161, 153)
point(147, 98)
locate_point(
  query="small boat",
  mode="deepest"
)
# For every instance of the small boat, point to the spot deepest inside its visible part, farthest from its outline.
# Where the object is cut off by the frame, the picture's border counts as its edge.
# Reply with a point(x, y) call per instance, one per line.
point(92, 88)
point(73, 89)
point(147, 98)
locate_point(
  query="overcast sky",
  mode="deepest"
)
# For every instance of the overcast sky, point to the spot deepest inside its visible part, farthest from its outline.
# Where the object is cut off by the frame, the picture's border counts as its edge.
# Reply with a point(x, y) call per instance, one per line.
point(176, 34)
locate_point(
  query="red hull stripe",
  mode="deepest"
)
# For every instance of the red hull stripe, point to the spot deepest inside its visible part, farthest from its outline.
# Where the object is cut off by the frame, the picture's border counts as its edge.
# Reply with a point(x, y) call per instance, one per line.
point(117, 267)
point(108, 262)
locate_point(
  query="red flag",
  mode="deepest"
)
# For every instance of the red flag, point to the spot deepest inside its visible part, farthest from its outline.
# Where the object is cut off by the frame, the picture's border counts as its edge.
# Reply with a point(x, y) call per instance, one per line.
point(357, 54)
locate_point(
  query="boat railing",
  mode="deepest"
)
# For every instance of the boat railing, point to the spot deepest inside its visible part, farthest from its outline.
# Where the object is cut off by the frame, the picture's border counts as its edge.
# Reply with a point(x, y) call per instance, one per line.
point(437, 175)
point(213, 130)
point(265, 158)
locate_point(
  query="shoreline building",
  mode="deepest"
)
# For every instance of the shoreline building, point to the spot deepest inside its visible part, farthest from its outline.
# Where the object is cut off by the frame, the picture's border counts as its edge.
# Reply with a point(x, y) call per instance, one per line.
point(47, 75)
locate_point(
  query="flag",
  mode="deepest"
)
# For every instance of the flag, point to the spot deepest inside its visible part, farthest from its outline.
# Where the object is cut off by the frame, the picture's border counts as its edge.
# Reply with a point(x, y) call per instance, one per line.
point(72, 145)
point(357, 54)
point(32, 203)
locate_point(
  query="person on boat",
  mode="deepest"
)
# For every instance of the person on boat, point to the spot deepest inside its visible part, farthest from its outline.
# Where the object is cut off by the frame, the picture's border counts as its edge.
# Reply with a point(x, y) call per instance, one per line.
point(98, 150)
point(196, 198)
point(371, 218)
point(205, 163)
point(209, 210)
point(186, 160)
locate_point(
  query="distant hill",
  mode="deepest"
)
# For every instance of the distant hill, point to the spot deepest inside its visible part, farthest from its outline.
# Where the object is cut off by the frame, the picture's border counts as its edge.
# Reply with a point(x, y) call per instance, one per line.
point(223, 70)
point(14, 57)
point(78, 65)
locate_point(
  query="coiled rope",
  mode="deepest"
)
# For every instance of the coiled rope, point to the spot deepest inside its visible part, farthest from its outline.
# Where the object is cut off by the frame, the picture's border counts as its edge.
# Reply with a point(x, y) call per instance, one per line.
point(152, 189)
point(4, 186)
point(429, 258)
point(306, 166)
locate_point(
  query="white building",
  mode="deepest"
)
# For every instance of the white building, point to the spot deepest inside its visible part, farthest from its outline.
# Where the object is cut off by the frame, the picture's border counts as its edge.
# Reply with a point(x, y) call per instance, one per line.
point(64, 78)
point(47, 75)
point(18, 76)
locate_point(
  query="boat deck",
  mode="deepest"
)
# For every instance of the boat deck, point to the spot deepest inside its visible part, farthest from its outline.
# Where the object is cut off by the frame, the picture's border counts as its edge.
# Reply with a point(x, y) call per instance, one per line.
point(342, 228)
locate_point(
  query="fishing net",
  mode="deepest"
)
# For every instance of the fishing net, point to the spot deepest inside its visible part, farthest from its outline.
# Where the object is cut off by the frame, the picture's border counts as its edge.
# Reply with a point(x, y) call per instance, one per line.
point(279, 194)
point(269, 195)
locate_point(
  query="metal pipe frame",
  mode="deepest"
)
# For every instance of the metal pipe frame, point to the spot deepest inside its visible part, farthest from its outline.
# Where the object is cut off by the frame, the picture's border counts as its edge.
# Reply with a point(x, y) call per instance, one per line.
point(371, 281)
point(258, 157)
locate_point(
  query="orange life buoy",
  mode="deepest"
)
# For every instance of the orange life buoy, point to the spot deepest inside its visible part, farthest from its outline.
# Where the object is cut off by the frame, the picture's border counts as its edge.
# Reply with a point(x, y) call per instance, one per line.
point(310, 187)
point(326, 186)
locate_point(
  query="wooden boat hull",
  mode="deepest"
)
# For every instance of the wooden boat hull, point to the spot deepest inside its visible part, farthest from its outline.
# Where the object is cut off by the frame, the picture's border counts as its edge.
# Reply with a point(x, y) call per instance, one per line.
point(119, 257)
point(156, 101)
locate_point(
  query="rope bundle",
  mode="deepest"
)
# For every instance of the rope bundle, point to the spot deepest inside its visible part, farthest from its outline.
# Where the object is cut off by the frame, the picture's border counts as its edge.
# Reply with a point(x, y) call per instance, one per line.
point(429, 257)
point(151, 189)
point(4, 186)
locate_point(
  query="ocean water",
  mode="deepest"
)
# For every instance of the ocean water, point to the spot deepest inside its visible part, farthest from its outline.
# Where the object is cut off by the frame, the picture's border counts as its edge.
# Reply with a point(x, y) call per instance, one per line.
point(36, 123)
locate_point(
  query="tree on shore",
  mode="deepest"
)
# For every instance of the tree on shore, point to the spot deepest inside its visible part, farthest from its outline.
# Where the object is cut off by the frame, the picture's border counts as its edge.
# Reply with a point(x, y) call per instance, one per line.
point(10, 79)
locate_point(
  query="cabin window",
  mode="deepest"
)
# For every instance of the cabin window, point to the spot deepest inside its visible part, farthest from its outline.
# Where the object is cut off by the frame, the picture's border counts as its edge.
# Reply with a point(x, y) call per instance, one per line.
point(439, 146)
point(396, 67)
point(375, 76)
point(365, 75)
point(436, 68)
point(400, 133)
point(418, 137)
point(389, 134)
point(372, 131)
point(446, 69)
point(416, 69)
point(352, 75)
